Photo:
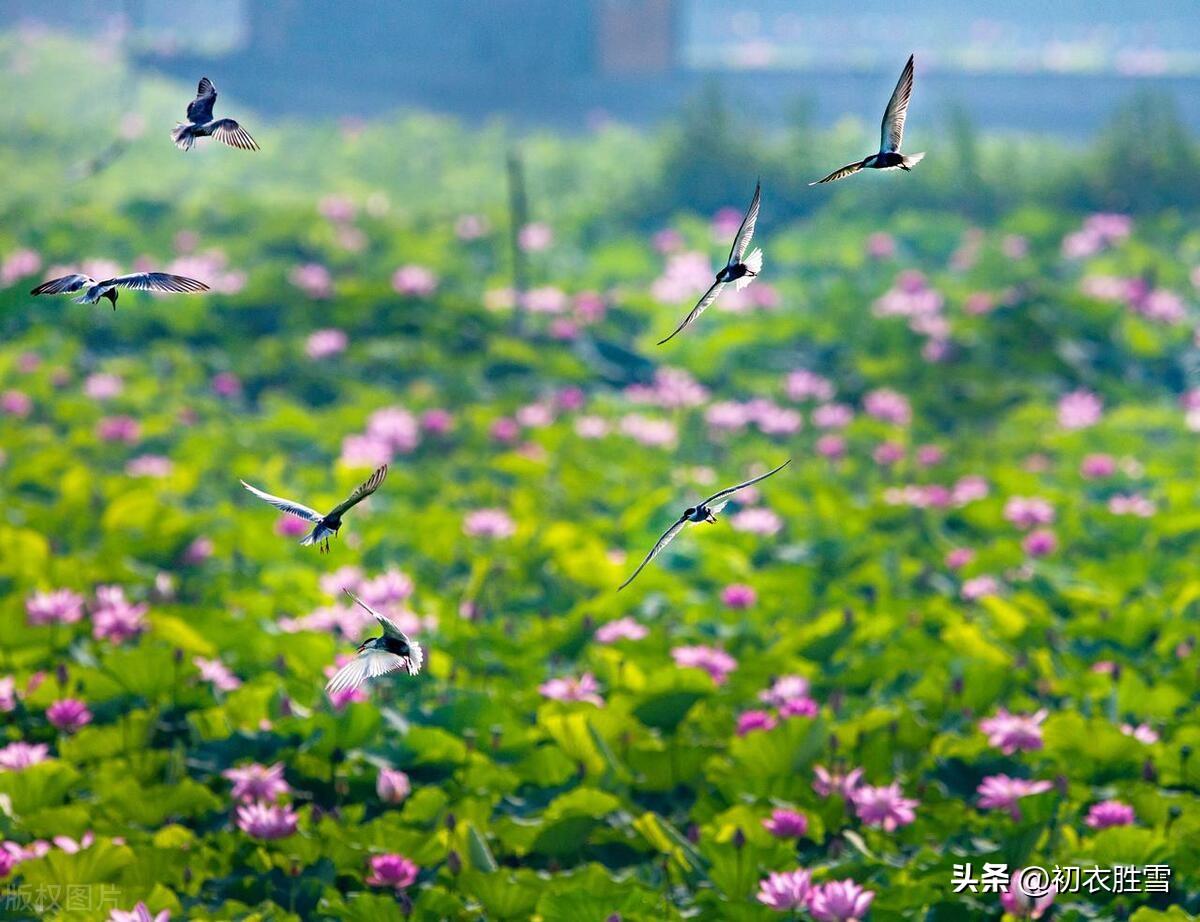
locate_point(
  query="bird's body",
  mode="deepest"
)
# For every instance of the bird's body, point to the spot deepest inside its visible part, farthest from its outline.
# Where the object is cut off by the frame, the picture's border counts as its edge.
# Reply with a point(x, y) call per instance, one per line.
point(328, 525)
point(706, 511)
point(379, 655)
point(201, 124)
point(891, 135)
point(739, 269)
point(93, 290)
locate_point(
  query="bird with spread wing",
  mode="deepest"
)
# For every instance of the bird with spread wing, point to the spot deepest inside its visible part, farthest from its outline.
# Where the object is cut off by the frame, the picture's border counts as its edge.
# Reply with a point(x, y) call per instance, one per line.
point(328, 525)
point(379, 655)
point(201, 124)
point(93, 290)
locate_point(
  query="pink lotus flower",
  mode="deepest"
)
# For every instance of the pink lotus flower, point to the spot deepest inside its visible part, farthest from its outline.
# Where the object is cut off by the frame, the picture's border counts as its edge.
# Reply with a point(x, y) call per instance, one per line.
point(198, 551)
point(389, 588)
point(786, 824)
point(979, 587)
point(805, 385)
point(68, 715)
point(489, 523)
point(535, 237)
point(1097, 467)
point(226, 384)
point(716, 662)
point(668, 240)
point(72, 847)
point(832, 416)
point(437, 421)
point(61, 606)
point(1079, 409)
point(751, 721)
point(336, 208)
point(325, 343)
point(832, 447)
point(392, 786)
point(18, 264)
point(345, 577)
point(471, 227)
point(1014, 732)
point(654, 433)
point(289, 526)
point(828, 783)
point(395, 427)
point(1028, 512)
point(1040, 543)
point(584, 688)
point(787, 891)
point(216, 672)
point(365, 451)
point(1016, 902)
point(139, 913)
point(959, 557)
point(889, 406)
point(885, 807)
point(1143, 733)
point(799, 707)
point(1131, 504)
point(8, 694)
point(19, 755)
point(546, 299)
point(313, 279)
point(621, 629)
point(393, 871)
point(785, 688)
point(119, 429)
point(16, 403)
point(756, 521)
point(414, 281)
point(1110, 813)
point(888, 453)
point(881, 245)
point(266, 821)
point(738, 596)
point(1000, 792)
point(156, 466)
point(103, 386)
point(840, 901)
point(115, 618)
point(255, 783)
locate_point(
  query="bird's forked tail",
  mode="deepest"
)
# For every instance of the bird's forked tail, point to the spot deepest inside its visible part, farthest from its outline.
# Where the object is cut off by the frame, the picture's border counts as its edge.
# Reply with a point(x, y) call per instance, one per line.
point(753, 262)
point(183, 136)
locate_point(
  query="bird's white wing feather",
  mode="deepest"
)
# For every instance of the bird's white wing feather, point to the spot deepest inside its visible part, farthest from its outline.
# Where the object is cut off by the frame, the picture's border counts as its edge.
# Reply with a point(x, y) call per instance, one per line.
point(892, 130)
point(286, 505)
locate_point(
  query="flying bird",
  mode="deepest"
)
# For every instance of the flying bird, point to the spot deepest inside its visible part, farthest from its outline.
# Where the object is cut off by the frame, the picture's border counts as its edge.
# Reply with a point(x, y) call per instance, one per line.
point(705, 512)
point(379, 655)
point(891, 135)
point(738, 269)
point(201, 124)
point(93, 291)
point(324, 526)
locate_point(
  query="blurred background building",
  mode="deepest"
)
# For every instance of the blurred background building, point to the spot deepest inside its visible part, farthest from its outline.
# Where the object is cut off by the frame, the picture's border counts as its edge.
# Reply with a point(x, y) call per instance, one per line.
point(569, 62)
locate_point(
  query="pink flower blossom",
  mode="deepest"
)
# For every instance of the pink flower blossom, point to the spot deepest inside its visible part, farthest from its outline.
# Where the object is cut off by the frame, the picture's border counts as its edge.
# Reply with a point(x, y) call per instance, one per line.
point(756, 521)
point(489, 523)
point(1079, 409)
point(799, 707)
point(359, 451)
point(716, 662)
point(738, 596)
point(654, 433)
point(1000, 792)
point(786, 824)
point(968, 489)
point(888, 453)
point(471, 227)
point(1143, 733)
point(18, 264)
point(266, 821)
point(787, 891)
point(505, 430)
point(389, 588)
point(621, 629)
point(198, 551)
point(959, 557)
point(1027, 512)
point(61, 606)
point(313, 279)
point(840, 901)
point(1018, 903)
point(68, 715)
point(889, 406)
point(979, 587)
point(119, 429)
point(139, 913)
point(437, 421)
point(832, 416)
point(1040, 543)
point(289, 526)
point(394, 871)
point(832, 447)
point(103, 386)
point(392, 786)
point(336, 208)
point(584, 688)
point(16, 403)
point(414, 281)
point(8, 694)
point(325, 343)
point(1014, 732)
point(1097, 467)
point(805, 385)
point(216, 672)
point(881, 245)
point(1131, 504)
point(1110, 813)
point(19, 755)
point(784, 689)
point(255, 783)
point(395, 427)
point(591, 427)
point(884, 807)
point(114, 618)
point(750, 721)
point(535, 237)
point(156, 466)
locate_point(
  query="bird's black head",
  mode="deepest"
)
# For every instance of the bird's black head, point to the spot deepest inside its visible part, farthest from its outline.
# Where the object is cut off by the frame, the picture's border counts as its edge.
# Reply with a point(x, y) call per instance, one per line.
point(689, 511)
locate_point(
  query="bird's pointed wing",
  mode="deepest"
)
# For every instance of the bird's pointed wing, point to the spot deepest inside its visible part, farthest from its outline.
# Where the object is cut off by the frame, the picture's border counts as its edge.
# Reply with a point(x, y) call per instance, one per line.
point(840, 173)
point(892, 130)
point(388, 625)
point(286, 505)
point(156, 281)
point(227, 131)
point(667, 538)
point(200, 109)
point(370, 664)
point(364, 489)
point(741, 486)
point(746, 231)
point(62, 285)
point(416, 657)
point(700, 308)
